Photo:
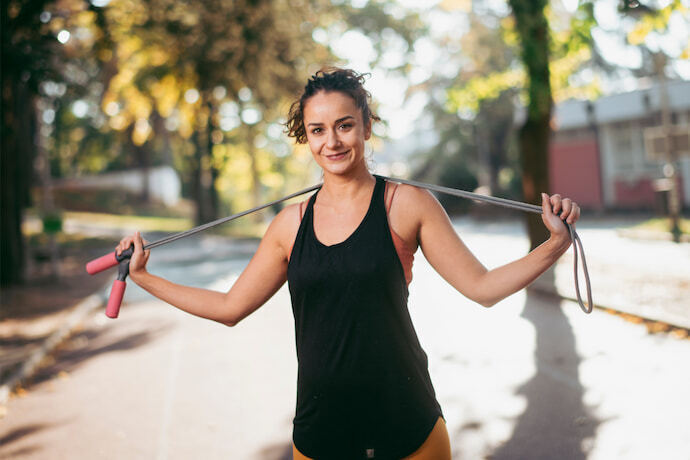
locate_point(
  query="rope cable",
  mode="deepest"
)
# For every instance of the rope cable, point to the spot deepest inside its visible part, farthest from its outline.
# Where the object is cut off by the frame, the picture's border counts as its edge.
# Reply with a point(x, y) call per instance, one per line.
point(577, 243)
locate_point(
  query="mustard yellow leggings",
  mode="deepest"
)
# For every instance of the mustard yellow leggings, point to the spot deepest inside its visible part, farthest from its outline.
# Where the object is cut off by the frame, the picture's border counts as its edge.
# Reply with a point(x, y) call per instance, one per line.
point(436, 446)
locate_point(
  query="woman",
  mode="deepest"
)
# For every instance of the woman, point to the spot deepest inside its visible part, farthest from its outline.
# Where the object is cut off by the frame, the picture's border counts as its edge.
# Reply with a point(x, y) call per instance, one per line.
point(363, 384)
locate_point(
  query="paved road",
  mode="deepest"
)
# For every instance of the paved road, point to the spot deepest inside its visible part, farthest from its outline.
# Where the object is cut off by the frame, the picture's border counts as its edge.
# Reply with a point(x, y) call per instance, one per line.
point(532, 377)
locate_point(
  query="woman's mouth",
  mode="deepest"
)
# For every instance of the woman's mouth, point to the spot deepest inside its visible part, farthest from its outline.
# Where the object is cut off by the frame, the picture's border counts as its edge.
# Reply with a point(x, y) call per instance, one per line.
point(338, 156)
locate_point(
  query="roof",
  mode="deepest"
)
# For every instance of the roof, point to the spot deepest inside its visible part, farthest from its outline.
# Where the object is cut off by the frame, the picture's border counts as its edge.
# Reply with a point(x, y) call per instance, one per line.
point(633, 105)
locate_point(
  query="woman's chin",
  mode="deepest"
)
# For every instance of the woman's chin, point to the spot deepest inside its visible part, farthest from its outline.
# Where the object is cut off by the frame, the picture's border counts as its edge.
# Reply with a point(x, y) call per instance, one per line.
point(343, 169)
point(337, 169)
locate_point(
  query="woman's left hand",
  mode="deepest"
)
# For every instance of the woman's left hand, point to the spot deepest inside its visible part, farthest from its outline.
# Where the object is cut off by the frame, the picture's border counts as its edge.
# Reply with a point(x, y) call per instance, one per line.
point(555, 211)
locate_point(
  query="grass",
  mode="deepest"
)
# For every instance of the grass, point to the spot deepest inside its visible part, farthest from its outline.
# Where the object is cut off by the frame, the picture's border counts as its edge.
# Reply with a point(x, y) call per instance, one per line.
point(142, 223)
point(245, 227)
point(662, 225)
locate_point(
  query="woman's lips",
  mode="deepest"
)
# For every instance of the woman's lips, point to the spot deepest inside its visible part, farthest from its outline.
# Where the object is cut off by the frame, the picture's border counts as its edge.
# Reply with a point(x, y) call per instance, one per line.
point(338, 156)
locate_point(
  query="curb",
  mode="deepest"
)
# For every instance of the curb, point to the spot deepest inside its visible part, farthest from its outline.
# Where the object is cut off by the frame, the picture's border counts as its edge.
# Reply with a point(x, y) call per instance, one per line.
point(681, 323)
point(81, 310)
point(638, 234)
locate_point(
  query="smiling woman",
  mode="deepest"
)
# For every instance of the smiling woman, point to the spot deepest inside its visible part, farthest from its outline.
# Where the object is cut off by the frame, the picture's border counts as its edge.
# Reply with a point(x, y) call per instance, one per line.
point(363, 385)
point(335, 131)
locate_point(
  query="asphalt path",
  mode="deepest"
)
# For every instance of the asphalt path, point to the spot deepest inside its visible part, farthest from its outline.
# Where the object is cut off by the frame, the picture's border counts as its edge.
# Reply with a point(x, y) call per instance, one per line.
point(533, 377)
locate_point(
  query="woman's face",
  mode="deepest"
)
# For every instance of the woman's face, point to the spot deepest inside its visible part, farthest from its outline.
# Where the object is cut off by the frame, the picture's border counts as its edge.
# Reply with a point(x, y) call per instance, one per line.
point(335, 132)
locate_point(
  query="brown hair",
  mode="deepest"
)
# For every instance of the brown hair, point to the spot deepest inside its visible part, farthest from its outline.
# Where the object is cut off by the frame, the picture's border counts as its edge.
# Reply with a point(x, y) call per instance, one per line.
point(346, 81)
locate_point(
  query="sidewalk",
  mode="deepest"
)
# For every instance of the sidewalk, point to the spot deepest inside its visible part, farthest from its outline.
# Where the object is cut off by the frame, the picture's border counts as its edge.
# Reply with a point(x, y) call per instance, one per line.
point(630, 273)
point(36, 317)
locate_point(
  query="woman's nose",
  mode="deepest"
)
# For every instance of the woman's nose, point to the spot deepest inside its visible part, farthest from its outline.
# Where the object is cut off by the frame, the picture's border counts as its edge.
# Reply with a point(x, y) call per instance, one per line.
point(333, 139)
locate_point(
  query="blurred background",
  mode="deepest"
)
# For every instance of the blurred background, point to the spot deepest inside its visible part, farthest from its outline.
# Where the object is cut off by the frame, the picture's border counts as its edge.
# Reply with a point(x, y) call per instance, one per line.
point(176, 110)
point(159, 115)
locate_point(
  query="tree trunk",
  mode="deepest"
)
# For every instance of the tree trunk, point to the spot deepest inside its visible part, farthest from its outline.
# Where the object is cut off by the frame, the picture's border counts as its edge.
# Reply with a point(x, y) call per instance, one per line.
point(144, 159)
point(161, 133)
point(199, 179)
point(533, 140)
point(532, 27)
point(214, 204)
point(254, 170)
point(17, 159)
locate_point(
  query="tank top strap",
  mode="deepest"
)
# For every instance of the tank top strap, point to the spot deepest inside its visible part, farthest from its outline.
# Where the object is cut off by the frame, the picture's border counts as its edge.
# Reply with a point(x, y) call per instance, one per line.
point(378, 198)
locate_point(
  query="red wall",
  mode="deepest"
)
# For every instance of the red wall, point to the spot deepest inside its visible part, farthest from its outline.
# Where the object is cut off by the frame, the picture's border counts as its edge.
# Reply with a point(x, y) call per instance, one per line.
point(574, 171)
point(640, 193)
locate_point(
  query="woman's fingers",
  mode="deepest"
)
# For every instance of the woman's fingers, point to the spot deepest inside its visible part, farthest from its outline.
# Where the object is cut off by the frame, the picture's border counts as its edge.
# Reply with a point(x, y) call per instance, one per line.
point(556, 208)
point(571, 211)
point(147, 252)
point(138, 245)
point(555, 203)
point(565, 208)
point(546, 204)
point(124, 243)
point(139, 257)
point(129, 241)
point(574, 214)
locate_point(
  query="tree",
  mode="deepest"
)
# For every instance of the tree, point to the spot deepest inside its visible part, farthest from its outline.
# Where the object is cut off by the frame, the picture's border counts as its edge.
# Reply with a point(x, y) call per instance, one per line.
point(533, 137)
point(33, 35)
point(135, 83)
point(194, 60)
point(474, 131)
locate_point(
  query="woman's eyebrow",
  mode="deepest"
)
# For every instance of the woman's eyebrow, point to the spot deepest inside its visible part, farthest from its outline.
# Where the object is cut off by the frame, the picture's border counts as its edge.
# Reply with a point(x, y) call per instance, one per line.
point(346, 117)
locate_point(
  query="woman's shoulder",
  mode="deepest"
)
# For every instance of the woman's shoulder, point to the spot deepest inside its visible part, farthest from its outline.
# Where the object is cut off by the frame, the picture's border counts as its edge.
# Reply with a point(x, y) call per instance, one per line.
point(286, 223)
point(288, 218)
point(412, 199)
point(409, 208)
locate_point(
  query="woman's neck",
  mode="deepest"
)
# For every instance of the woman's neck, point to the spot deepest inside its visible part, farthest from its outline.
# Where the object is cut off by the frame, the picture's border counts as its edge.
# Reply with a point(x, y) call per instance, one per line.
point(338, 187)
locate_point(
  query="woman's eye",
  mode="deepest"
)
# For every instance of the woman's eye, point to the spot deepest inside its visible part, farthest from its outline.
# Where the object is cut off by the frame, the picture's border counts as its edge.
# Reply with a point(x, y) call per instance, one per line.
point(345, 126)
point(316, 130)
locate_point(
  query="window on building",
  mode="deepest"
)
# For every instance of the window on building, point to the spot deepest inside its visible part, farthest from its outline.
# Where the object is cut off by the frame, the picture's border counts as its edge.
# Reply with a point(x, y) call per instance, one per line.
point(622, 143)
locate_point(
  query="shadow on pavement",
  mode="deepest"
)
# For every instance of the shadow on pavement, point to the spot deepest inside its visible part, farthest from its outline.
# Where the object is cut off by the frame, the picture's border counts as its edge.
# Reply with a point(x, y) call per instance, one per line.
point(556, 423)
point(282, 451)
point(16, 435)
point(90, 343)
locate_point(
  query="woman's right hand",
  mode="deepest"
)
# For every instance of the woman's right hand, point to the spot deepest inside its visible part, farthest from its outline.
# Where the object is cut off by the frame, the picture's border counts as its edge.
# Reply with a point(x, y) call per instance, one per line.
point(137, 264)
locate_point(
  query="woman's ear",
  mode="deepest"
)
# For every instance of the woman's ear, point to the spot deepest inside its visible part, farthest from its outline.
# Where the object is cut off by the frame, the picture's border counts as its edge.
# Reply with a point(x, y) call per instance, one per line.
point(367, 130)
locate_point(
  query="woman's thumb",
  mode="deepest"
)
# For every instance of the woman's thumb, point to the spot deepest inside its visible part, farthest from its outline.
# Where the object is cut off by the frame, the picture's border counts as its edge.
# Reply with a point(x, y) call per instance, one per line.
point(545, 204)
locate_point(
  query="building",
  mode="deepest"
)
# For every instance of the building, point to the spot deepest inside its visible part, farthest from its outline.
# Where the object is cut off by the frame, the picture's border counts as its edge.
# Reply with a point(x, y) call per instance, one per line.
point(163, 183)
point(598, 156)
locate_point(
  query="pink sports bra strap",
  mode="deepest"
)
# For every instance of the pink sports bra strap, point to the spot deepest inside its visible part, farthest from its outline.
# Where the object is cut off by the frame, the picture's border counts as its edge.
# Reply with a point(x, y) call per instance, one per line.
point(389, 201)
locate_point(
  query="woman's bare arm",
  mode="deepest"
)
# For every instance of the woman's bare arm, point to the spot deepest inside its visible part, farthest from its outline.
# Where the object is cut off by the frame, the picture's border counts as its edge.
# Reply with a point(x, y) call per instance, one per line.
point(260, 280)
point(451, 258)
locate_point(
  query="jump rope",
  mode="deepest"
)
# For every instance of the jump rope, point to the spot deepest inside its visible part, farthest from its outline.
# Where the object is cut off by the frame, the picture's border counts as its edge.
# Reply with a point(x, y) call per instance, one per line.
point(122, 261)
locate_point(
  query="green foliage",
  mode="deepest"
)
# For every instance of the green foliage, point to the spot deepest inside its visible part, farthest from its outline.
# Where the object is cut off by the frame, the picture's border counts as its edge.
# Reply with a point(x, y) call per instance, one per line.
point(456, 174)
point(52, 223)
point(474, 121)
point(140, 84)
point(32, 57)
point(382, 21)
point(570, 49)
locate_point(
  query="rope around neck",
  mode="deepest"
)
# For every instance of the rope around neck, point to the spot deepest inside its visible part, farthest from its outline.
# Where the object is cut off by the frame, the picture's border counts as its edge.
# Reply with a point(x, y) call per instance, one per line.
point(577, 243)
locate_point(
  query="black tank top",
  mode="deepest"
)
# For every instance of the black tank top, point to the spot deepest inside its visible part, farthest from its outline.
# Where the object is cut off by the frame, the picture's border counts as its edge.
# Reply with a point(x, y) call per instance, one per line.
point(363, 386)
